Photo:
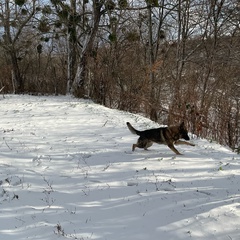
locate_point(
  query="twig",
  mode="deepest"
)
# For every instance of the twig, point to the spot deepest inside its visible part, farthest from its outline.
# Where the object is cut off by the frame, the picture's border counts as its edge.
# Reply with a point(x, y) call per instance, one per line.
point(207, 193)
point(7, 144)
point(104, 124)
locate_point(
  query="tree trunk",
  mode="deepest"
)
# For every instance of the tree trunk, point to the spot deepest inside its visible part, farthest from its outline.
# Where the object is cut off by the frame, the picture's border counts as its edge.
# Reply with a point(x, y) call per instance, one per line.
point(18, 82)
point(17, 79)
point(151, 51)
point(78, 86)
point(72, 46)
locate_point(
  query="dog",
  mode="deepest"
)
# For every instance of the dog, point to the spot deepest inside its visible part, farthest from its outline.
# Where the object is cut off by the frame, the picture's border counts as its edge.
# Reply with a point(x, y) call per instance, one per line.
point(163, 135)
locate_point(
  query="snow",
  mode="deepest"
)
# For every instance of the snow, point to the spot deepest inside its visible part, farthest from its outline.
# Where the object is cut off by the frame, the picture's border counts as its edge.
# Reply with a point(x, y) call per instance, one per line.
point(68, 172)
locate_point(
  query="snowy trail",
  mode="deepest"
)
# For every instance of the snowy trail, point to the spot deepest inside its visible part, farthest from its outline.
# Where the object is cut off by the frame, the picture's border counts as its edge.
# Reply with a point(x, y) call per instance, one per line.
point(67, 171)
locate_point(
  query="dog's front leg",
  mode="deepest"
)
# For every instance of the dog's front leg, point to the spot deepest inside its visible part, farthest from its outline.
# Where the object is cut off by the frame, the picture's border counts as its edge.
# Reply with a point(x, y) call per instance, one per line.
point(171, 146)
point(179, 142)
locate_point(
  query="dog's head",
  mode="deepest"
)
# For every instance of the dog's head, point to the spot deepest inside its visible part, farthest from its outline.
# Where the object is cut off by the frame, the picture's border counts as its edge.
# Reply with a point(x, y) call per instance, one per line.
point(183, 131)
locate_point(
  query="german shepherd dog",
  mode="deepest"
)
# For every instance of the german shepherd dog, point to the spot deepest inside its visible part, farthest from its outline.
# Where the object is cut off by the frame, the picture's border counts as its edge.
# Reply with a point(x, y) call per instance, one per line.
point(162, 135)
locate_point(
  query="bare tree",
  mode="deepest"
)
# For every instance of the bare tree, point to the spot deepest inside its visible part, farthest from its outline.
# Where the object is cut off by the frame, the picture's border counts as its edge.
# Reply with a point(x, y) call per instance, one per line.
point(14, 17)
point(78, 86)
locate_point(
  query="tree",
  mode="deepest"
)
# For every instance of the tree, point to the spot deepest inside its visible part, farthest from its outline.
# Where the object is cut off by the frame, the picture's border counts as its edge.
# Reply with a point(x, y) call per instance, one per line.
point(156, 37)
point(82, 20)
point(15, 16)
point(78, 86)
point(71, 16)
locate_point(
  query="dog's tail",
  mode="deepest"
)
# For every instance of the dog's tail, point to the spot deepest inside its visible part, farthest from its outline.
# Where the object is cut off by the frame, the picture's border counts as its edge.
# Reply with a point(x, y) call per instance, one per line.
point(132, 129)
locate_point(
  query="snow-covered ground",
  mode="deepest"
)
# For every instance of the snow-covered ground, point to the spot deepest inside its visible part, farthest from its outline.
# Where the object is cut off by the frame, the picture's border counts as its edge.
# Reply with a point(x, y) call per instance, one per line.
point(67, 172)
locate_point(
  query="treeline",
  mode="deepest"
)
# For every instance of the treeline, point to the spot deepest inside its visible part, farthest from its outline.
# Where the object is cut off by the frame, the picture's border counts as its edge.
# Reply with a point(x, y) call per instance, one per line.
point(169, 60)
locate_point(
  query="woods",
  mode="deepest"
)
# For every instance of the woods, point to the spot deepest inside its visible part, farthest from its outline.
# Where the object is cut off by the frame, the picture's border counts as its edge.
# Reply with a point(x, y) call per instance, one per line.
point(168, 60)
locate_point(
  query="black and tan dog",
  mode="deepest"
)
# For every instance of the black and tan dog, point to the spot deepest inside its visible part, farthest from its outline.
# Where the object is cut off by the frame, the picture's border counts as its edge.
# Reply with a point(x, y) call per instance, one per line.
point(162, 135)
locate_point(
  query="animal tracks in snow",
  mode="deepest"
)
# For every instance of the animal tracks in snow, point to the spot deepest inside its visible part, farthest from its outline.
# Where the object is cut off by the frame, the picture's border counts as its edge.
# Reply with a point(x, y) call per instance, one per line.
point(67, 166)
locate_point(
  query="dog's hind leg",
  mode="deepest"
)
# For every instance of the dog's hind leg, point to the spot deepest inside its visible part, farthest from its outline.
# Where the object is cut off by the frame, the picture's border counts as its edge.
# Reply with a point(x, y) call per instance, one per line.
point(142, 143)
point(133, 147)
point(149, 144)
